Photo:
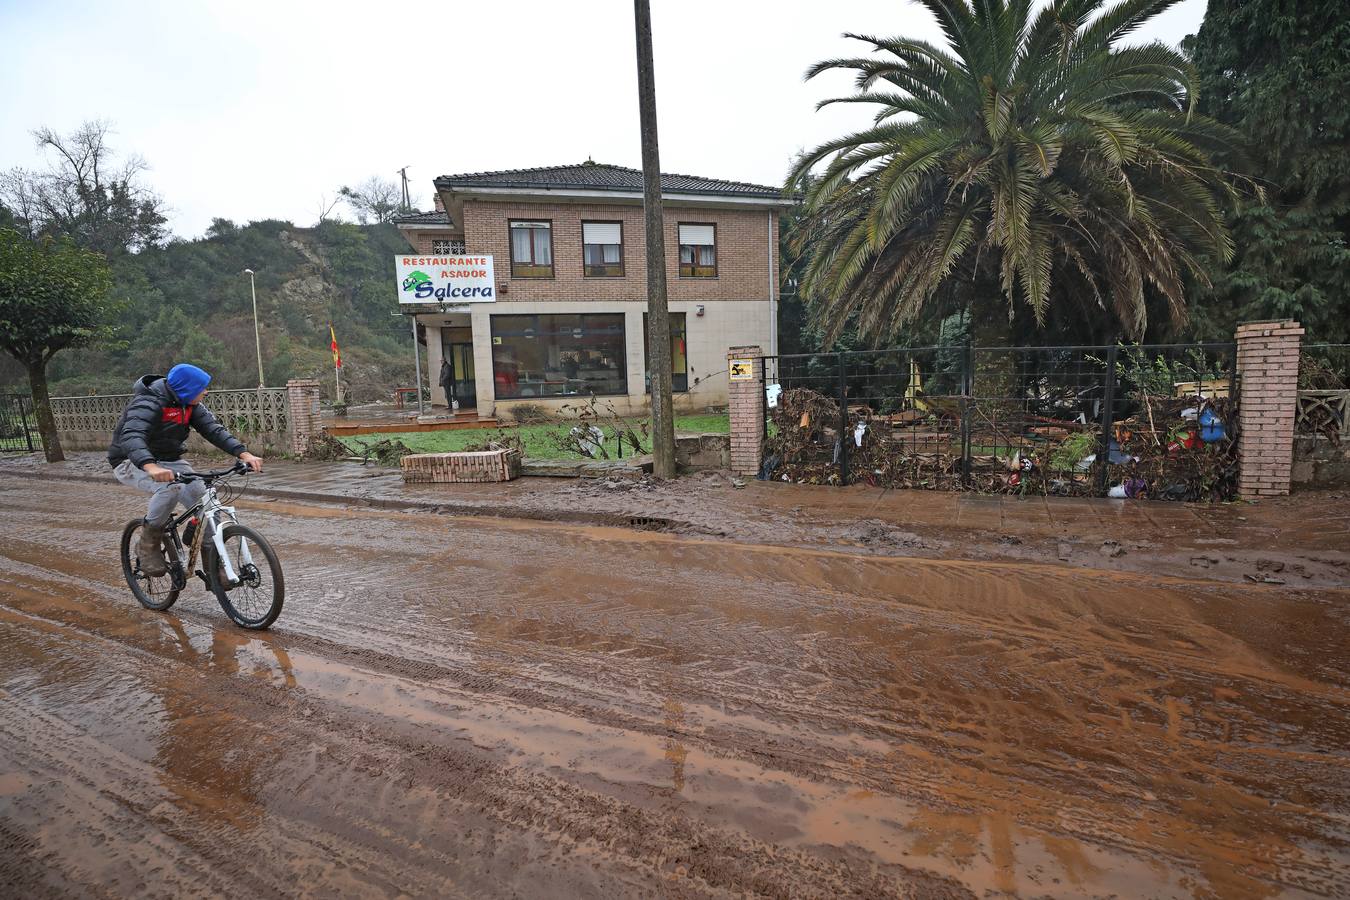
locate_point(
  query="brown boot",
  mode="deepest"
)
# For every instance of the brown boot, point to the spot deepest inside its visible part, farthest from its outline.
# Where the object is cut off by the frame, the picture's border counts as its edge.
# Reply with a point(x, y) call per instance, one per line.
point(150, 551)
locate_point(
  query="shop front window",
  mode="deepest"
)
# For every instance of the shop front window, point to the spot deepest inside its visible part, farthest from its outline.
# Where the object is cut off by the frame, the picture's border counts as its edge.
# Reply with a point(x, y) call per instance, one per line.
point(558, 355)
point(679, 354)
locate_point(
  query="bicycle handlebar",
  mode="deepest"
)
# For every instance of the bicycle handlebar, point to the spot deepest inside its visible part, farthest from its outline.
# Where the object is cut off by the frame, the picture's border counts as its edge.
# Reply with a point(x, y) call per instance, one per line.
point(237, 469)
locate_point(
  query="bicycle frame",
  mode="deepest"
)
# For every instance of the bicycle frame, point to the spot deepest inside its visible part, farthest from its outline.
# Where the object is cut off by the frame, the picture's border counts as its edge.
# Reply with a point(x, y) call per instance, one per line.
point(211, 514)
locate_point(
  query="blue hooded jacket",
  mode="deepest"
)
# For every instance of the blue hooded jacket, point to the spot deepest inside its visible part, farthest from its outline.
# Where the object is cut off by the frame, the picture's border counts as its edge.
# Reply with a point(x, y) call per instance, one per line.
point(154, 426)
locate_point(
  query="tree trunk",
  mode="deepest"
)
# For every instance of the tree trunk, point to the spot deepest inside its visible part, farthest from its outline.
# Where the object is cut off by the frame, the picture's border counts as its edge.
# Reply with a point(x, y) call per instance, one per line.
point(42, 404)
point(658, 310)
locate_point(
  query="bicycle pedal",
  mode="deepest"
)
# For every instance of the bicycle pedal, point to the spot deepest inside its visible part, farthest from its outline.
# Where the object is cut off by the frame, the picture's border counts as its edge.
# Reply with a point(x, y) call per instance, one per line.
point(205, 581)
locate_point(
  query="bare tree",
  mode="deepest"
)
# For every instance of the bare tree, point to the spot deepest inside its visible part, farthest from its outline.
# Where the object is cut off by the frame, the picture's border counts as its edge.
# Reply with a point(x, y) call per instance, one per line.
point(326, 206)
point(375, 200)
point(85, 193)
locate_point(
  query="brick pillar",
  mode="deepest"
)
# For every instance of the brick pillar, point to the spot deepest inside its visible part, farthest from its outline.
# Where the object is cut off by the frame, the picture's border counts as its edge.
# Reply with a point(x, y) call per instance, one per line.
point(747, 412)
point(302, 413)
point(1267, 363)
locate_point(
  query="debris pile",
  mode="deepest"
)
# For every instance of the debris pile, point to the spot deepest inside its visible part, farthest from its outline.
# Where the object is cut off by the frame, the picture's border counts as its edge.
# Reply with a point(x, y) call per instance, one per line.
point(803, 444)
point(500, 440)
point(326, 448)
point(384, 452)
point(1171, 448)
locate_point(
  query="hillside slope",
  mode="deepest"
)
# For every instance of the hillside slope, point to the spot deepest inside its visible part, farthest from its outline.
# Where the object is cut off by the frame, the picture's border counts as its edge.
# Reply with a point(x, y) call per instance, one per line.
point(189, 301)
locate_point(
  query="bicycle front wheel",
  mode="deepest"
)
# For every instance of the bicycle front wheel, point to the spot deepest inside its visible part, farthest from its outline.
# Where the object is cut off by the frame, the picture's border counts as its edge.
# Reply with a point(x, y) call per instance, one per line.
point(153, 592)
point(254, 599)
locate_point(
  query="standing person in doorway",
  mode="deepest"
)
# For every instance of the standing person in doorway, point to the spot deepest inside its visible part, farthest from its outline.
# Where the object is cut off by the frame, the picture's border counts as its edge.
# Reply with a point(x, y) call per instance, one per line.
point(448, 383)
point(148, 445)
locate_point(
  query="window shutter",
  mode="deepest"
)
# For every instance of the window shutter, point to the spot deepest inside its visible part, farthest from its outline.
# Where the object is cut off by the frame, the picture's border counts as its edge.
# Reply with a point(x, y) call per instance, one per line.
point(602, 233)
point(696, 234)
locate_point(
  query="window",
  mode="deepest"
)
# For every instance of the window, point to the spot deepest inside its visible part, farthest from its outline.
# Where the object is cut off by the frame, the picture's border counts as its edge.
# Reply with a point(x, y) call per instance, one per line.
point(698, 250)
point(679, 354)
point(556, 356)
point(531, 249)
point(447, 246)
point(602, 249)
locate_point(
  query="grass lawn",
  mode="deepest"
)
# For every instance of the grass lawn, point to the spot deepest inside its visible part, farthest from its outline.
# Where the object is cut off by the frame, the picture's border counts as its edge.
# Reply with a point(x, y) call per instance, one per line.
point(539, 440)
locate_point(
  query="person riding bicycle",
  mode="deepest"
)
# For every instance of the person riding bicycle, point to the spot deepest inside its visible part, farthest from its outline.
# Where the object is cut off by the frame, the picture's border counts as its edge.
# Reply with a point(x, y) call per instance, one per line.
point(148, 444)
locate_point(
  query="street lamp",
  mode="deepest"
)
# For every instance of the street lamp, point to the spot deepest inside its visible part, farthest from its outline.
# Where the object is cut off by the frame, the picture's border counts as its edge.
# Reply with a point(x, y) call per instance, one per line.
point(257, 339)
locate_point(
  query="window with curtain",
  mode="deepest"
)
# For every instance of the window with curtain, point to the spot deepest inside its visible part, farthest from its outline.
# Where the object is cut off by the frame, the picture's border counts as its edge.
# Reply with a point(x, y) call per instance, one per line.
point(698, 250)
point(531, 249)
point(679, 354)
point(558, 355)
point(602, 249)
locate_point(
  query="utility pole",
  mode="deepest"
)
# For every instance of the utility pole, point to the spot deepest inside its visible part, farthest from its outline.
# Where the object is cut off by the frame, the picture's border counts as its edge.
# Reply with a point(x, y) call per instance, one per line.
point(658, 311)
point(407, 198)
point(257, 338)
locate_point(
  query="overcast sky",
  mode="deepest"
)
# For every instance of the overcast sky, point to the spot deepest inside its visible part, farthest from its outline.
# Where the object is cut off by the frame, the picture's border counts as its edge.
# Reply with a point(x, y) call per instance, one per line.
point(250, 110)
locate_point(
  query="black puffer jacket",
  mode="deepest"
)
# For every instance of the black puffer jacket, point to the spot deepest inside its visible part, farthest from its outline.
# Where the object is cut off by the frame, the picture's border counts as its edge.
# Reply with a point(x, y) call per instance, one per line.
point(154, 426)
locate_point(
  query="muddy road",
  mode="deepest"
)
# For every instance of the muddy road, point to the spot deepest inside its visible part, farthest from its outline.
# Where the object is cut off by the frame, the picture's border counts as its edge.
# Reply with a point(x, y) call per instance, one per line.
point(458, 707)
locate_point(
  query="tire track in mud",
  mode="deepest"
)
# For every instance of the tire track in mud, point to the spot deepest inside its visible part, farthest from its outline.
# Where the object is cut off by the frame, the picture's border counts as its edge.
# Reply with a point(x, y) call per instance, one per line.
point(774, 680)
point(597, 828)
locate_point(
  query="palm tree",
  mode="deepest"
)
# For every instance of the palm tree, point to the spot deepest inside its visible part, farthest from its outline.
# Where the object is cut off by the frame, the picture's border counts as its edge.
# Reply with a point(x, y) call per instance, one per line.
point(1032, 156)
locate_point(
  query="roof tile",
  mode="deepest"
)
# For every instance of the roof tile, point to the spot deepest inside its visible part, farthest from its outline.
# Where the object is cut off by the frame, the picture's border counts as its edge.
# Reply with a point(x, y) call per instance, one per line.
point(604, 177)
point(434, 217)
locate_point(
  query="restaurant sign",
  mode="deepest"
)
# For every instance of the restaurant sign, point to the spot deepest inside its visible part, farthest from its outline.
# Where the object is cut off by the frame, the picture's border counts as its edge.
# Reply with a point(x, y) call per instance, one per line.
point(445, 279)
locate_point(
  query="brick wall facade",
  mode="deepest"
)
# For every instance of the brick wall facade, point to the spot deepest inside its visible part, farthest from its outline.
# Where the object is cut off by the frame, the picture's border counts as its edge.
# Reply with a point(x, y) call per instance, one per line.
point(1267, 361)
point(421, 238)
point(747, 244)
point(305, 421)
point(747, 413)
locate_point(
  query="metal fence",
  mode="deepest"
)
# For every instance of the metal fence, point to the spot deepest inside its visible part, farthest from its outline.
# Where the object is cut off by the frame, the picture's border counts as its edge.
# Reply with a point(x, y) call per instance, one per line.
point(1154, 420)
point(18, 425)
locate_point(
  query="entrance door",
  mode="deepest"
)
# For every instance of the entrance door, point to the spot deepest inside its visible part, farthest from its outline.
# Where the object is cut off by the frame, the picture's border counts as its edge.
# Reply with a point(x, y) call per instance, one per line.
point(461, 363)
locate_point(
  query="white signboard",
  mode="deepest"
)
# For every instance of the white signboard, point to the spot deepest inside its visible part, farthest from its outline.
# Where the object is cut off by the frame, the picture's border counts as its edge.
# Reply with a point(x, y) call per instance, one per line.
point(445, 279)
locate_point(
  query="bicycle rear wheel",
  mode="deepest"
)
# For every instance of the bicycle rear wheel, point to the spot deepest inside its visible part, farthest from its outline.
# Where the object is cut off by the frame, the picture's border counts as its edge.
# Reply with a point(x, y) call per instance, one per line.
point(254, 601)
point(153, 592)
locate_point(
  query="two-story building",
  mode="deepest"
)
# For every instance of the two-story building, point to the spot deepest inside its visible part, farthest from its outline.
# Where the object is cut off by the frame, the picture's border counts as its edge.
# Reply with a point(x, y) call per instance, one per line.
point(568, 317)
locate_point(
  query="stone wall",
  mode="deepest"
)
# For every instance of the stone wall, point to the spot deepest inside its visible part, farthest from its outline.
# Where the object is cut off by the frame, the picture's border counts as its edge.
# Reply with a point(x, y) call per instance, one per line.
point(1319, 462)
point(1322, 438)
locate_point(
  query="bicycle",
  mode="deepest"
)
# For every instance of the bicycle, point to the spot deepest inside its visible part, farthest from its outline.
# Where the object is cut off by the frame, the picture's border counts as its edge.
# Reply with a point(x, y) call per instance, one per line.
point(250, 596)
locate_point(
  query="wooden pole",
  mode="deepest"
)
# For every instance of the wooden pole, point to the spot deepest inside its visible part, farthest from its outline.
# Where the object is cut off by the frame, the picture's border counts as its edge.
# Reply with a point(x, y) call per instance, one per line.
point(658, 310)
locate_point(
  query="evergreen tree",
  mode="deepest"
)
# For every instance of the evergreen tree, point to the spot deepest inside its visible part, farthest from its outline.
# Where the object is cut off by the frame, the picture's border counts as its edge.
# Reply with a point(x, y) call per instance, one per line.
point(1279, 71)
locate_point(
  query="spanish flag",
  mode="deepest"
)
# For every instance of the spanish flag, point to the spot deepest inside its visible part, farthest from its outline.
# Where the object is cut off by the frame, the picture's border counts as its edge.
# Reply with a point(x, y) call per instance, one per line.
point(337, 354)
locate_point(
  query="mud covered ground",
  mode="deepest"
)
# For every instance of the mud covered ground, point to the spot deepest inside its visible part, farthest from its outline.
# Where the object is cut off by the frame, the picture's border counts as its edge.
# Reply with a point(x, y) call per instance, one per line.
point(476, 706)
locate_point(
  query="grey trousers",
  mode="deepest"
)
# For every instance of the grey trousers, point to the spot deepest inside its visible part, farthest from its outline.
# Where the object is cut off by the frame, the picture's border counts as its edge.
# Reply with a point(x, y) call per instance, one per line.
point(162, 496)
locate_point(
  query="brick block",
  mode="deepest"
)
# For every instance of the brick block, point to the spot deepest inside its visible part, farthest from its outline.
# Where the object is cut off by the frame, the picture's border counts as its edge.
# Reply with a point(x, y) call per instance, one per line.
point(460, 468)
point(1267, 359)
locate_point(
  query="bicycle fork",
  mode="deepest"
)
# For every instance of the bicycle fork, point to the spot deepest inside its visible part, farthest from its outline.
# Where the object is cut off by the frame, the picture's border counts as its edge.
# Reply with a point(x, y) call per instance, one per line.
point(227, 566)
